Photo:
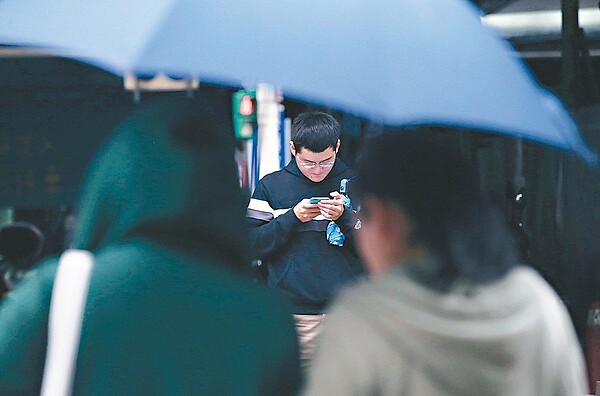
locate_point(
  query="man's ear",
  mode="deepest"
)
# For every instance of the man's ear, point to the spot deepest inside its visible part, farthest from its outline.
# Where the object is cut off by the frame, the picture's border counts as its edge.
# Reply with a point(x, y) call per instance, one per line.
point(337, 146)
point(292, 148)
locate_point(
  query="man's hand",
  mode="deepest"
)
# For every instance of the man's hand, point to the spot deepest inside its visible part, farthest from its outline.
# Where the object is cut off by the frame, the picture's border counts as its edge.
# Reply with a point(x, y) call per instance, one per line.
point(332, 209)
point(305, 211)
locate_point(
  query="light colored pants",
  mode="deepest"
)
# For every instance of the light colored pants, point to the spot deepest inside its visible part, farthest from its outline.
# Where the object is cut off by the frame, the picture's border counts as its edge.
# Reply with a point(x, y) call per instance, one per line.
point(308, 328)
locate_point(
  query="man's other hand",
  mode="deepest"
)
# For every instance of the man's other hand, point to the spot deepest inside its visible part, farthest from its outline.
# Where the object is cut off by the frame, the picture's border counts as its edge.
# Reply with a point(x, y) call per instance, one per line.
point(332, 209)
point(305, 211)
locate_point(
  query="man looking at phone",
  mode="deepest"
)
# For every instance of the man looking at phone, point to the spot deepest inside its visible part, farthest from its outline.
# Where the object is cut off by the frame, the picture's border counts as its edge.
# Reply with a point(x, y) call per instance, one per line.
point(289, 233)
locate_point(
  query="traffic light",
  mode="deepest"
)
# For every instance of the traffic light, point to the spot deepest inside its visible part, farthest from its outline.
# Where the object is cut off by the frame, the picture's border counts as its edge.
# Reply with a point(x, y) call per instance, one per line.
point(244, 114)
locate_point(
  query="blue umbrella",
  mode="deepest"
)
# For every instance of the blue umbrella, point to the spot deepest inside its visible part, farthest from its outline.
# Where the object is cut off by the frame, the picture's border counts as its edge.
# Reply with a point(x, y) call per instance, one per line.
point(397, 62)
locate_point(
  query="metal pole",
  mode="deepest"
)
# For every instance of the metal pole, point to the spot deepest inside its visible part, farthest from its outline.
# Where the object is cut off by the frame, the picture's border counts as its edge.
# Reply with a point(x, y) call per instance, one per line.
point(570, 78)
point(518, 176)
point(570, 33)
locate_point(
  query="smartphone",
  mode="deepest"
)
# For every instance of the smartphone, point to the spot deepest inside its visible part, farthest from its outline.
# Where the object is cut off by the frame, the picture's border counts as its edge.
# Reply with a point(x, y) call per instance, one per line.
point(315, 200)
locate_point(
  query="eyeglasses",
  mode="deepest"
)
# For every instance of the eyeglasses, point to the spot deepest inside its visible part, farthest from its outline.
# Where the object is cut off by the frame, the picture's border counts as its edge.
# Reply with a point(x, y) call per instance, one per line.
point(311, 164)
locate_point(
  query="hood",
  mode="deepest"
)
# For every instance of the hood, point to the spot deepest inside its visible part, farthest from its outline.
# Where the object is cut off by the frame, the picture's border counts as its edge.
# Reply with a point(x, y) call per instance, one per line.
point(166, 175)
point(473, 334)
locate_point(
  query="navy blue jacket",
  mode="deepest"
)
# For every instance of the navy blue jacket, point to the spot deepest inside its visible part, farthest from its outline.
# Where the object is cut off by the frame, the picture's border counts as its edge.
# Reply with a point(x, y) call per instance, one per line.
point(301, 263)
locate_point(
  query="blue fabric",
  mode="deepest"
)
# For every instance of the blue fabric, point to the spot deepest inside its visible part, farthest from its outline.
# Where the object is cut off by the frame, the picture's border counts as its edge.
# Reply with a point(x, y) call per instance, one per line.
point(347, 202)
point(335, 236)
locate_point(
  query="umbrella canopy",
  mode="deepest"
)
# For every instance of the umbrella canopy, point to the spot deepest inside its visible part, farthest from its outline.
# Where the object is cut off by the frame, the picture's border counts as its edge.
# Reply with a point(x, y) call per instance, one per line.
point(398, 62)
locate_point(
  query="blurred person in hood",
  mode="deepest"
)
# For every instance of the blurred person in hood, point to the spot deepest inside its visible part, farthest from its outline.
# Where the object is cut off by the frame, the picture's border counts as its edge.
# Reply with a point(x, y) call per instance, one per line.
point(169, 310)
point(447, 309)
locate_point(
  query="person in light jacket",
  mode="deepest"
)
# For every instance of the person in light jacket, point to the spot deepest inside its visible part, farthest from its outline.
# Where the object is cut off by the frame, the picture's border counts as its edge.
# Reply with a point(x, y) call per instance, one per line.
point(447, 309)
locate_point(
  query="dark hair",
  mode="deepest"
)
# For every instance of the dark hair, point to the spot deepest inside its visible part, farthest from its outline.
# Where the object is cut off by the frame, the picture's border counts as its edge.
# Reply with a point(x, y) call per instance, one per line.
point(317, 131)
point(439, 191)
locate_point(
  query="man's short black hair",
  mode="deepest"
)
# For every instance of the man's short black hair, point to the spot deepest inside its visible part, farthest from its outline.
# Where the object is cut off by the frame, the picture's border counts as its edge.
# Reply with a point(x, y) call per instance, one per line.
point(317, 131)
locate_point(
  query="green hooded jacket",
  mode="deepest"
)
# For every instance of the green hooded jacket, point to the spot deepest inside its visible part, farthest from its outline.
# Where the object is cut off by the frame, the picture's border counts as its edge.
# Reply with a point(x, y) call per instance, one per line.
point(169, 311)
